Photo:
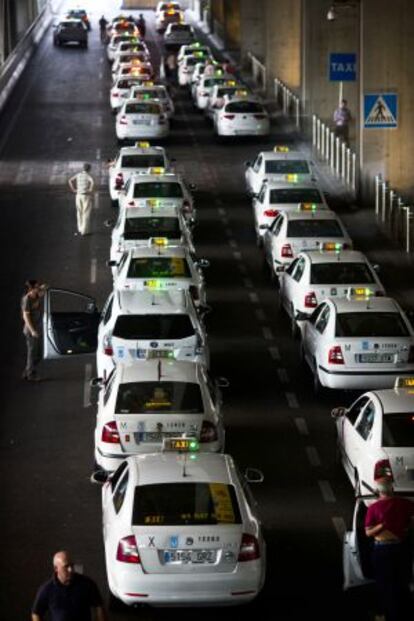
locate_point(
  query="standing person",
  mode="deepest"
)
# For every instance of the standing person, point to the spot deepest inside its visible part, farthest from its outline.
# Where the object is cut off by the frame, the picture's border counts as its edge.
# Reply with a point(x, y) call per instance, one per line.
point(32, 327)
point(68, 596)
point(342, 118)
point(82, 185)
point(102, 28)
point(171, 67)
point(142, 26)
point(210, 68)
point(388, 521)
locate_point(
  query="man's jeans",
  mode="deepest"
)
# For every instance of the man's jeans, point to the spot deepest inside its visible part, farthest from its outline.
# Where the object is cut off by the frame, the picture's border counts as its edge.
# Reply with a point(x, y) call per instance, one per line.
point(34, 353)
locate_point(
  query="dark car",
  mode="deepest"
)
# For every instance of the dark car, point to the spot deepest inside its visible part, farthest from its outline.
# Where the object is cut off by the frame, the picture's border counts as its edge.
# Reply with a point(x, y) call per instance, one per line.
point(79, 14)
point(71, 31)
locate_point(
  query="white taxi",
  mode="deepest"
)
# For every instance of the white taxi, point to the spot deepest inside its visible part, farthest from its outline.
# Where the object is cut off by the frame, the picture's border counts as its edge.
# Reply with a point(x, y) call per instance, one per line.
point(167, 17)
point(143, 71)
point(178, 34)
point(276, 197)
point(115, 41)
point(122, 58)
point(197, 74)
point(147, 226)
point(122, 25)
point(306, 228)
point(375, 437)
point(276, 165)
point(187, 67)
point(204, 88)
point(154, 92)
point(216, 100)
point(141, 158)
point(329, 272)
point(191, 49)
point(242, 116)
point(361, 342)
point(158, 190)
point(164, 6)
point(182, 529)
point(161, 268)
point(119, 92)
point(134, 44)
point(146, 325)
point(141, 119)
point(141, 404)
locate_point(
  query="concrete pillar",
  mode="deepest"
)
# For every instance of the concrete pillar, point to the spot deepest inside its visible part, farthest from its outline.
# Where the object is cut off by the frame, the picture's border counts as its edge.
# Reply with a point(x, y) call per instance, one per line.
point(283, 42)
point(252, 29)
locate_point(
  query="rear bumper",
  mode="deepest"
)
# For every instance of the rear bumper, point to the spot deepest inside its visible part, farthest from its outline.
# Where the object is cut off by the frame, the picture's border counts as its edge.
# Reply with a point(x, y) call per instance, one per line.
point(137, 132)
point(257, 131)
point(359, 379)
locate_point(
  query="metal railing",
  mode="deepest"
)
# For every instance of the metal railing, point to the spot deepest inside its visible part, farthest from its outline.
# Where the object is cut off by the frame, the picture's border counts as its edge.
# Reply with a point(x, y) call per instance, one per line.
point(258, 71)
point(341, 159)
point(392, 212)
point(288, 101)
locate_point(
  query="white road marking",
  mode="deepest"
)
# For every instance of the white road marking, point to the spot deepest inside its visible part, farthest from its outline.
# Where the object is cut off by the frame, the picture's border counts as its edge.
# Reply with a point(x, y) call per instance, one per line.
point(326, 491)
point(274, 352)
point(267, 333)
point(237, 255)
point(101, 75)
point(98, 154)
point(292, 400)
point(302, 426)
point(313, 456)
point(94, 265)
point(283, 376)
point(101, 60)
point(339, 526)
point(233, 243)
point(100, 95)
point(87, 386)
point(96, 201)
point(53, 177)
point(248, 283)
point(254, 298)
point(222, 212)
point(99, 121)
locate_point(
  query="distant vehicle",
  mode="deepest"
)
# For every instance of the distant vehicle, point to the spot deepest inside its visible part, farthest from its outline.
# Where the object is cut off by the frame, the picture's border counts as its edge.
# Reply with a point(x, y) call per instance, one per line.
point(178, 34)
point(71, 31)
point(79, 14)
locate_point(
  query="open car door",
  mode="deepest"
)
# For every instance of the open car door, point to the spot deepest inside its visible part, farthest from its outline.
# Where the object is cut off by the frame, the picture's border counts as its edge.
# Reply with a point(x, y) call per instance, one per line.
point(70, 324)
point(357, 550)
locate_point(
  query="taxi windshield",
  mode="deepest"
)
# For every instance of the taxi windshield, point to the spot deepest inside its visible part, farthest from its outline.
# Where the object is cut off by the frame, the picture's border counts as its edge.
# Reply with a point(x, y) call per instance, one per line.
point(341, 274)
point(287, 167)
point(144, 228)
point(370, 325)
point(158, 327)
point(180, 504)
point(210, 82)
point(398, 430)
point(142, 108)
point(158, 267)
point(158, 189)
point(159, 397)
point(142, 161)
point(295, 195)
point(244, 107)
point(314, 228)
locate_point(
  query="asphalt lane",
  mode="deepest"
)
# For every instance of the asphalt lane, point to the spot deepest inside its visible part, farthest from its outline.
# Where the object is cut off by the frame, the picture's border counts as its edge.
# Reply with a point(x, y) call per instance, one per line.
point(59, 117)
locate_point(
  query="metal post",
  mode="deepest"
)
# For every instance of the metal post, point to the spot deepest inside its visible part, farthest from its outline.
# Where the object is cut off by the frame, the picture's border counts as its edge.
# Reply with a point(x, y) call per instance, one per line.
point(318, 134)
point(407, 229)
point(327, 143)
point(284, 100)
point(332, 151)
point(384, 189)
point(391, 205)
point(348, 165)
point(378, 180)
point(343, 158)
point(323, 140)
point(314, 130)
point(297, 112)
point(353, 176)
point(338, 155)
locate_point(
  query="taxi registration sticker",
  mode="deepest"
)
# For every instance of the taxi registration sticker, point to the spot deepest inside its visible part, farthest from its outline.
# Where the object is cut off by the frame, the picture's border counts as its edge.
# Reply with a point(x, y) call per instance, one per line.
point(223, 507)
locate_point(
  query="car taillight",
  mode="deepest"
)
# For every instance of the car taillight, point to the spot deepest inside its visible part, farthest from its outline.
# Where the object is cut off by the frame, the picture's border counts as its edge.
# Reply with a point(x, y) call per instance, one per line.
point(131, 204)
point(335, 355)
point(194, 293)
point(230, 117)
point(286, 251)
point(107, 345)
point(382, 470)
point(411, 354)
point(116, 94)
point(123, 120)
point(162, 120)
point(119, 181)
point(186, 206)
point(204, 94)
point(310, 300)
point(127, 551)
point(249, 549)
point(271, 213)
point(110, 433)
point(260, 117)
point(208, 432)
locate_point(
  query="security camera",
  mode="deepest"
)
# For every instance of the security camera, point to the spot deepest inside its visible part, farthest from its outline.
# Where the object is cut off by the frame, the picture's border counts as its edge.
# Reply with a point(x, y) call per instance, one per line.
point(331, 14)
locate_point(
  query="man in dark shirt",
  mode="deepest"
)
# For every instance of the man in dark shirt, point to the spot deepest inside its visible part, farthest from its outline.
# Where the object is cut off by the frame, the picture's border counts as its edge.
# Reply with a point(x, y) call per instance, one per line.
point(32, 326)
point(68, 596)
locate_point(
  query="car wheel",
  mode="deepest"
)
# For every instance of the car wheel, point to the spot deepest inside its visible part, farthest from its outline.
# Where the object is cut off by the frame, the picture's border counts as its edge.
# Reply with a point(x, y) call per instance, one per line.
point(115, 604)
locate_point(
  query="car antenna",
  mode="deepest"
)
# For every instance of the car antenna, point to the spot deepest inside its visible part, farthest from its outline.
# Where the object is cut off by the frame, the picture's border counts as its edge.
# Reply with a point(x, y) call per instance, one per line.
point(184, 472)
point(159, 371)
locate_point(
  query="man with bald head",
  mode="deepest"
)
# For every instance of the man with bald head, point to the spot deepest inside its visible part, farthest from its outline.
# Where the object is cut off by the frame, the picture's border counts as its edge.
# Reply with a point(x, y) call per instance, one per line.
point(68, 596)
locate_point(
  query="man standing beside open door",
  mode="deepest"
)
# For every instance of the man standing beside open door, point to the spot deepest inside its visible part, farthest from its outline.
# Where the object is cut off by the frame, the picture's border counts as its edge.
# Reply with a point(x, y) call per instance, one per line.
point(32, 327)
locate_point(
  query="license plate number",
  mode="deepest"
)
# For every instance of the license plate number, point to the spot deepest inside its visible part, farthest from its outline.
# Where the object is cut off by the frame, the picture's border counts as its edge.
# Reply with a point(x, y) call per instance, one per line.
point(141, 122)
point(195, 557)
point(375, 358)
point(159, 353)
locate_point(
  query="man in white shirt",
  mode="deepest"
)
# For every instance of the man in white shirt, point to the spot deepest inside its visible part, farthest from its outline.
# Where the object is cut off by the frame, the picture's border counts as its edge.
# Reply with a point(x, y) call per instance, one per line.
point(82, 185)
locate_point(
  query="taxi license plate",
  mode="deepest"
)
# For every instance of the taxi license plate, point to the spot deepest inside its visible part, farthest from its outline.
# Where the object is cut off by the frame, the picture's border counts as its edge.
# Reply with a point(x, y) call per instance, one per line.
point(153, 436)
point(195, 557)
point(159, 353)
point(375, 357)
point(141, 122)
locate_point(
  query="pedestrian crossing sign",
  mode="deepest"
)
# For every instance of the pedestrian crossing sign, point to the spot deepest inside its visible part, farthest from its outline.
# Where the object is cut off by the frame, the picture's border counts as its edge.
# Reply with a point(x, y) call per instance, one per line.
point(380, 110)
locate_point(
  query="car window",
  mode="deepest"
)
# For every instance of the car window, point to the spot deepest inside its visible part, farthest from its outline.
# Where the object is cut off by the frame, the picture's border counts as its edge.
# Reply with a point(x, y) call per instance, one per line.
point(158, 267)
point(120, 491)
point(109, 386)
point(159, 397)
point(158, 327)
point(323, 320)
point(340, 273)
point(355, 409)
point(290, 268)
point(122, 261)
point(258, 163)
point(366, 421)
point(117, 474)
point(398, 430)
point(142, 108)
point(144, 228)
point(314, 228)
point(276, 226)
point(262, 194)
point(245, 107)
point(142, 161)
point(315, 315)
point(295, 195)
point(158, 189)
point(370, 324)
point(286, 167)
point(300, 268)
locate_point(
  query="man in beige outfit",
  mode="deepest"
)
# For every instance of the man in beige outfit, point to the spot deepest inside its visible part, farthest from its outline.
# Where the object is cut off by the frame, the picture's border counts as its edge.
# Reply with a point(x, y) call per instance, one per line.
point(82, 185)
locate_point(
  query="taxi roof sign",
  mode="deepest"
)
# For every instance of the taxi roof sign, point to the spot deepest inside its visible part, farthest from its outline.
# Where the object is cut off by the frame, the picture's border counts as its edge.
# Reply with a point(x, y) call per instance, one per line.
point(331, 247)
point(281, 149)
point(404, 382)
point(157, 170)
point(307, 206)
point(158, 241)
point(361, 293)
point(231, 83)
point(142, 144)
point(292, 177)
point(182, 445)
point(241, 93)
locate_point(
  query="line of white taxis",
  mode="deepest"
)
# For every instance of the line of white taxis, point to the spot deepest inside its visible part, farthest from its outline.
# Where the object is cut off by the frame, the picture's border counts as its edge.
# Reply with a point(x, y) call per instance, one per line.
point(180, 525)
point(352, 336)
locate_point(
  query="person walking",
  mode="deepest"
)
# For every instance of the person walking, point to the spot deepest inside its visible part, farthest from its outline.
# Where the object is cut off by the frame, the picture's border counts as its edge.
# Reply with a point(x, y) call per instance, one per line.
point(142, 26)
point(103, 23)
point(342, 118)
point(82, 185)
point(388, 521)
point(68, 596)
point(32, 327)
point(171, 67)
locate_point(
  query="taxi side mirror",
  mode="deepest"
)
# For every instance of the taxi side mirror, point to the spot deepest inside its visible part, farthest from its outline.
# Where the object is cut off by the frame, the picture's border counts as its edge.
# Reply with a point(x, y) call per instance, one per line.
point(109, 223)
point(253, 475)
point(247, 164)
point(300, 316)
point(204, 310)
point(222, 382)
point(111, 263)
point(96, 382)
point(376, 268)
point(338, 412)
point(202, 263)
point(91, 307)
point(100, 477)
point(192, 187)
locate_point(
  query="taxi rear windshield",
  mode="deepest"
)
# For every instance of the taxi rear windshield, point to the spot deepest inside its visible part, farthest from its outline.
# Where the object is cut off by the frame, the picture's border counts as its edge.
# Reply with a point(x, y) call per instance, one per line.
point(72, 26)
point(127, 57)
point(128, 46)
point(286, 167)
point(158, 327)
point(183, 27)
point(244, 107)
point(127, 84)
point(295, 195)
point(142, 108)
point(181, 504)
point(142, 161)
point(398, 430)
point(158, 398)
point(158, 267)
point(226, 91)
point(341, 274)
point(144, 228)
point(150, 93)
point(370, 325)
point(314, 228)
point(158, 189)
point(210, 82)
